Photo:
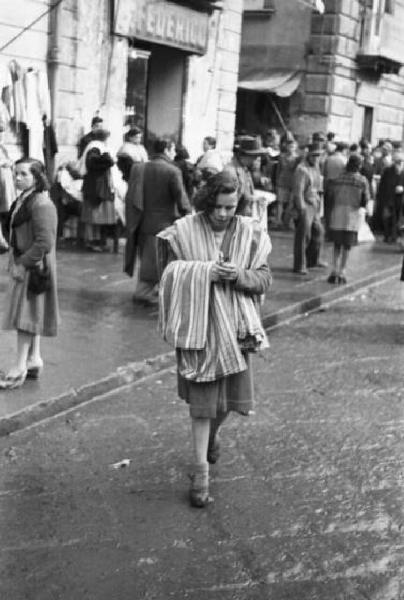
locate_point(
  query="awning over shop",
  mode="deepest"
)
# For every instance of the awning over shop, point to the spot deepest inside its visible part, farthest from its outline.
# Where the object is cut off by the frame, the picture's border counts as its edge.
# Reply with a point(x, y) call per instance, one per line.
point(281, 83)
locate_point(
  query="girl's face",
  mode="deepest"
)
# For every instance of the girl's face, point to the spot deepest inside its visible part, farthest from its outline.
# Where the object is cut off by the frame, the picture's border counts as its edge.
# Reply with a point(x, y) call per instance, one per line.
point(223, 211)
point(24, 179)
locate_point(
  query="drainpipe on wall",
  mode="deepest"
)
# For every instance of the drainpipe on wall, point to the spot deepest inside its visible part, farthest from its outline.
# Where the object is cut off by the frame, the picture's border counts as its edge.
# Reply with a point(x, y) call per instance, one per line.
point(53, 59)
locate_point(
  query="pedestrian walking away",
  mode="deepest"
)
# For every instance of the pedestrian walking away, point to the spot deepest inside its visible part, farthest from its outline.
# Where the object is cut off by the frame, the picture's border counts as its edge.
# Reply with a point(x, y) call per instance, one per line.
point(31, 304)
point(214, 268)
point(156, 197)
point(348, 194)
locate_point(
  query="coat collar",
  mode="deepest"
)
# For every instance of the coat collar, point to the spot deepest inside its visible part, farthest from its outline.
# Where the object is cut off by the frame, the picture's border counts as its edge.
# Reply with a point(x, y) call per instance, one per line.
point(162, 157)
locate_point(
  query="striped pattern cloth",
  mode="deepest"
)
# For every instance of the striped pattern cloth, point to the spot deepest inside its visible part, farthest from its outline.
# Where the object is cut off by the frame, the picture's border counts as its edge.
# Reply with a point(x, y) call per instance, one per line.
point(208, 323)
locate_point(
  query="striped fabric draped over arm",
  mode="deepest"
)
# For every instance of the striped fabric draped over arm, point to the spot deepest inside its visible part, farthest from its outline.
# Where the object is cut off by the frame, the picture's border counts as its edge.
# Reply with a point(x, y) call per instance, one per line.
point(209, 323)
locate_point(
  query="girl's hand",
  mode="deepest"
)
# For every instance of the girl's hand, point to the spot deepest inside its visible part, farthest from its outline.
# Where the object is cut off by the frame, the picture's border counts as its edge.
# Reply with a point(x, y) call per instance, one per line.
point(215, 274)
point(18, 272)
point(227, 271)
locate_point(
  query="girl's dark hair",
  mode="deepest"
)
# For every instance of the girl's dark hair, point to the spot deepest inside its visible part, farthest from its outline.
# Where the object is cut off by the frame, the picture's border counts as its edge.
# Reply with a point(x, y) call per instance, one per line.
point(225, 182)
point(38, 171)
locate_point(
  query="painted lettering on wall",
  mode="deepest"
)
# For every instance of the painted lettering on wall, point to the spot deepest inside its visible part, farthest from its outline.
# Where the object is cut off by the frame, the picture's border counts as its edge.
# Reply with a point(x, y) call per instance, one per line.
point(162, 22)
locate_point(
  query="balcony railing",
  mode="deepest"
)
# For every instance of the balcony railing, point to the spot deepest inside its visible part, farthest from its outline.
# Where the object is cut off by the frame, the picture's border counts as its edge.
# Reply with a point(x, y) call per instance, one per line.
point(381, 39)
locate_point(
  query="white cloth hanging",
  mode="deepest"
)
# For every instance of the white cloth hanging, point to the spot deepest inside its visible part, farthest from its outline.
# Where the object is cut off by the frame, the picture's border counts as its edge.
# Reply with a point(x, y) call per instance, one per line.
point(34, 114)
point(6, 96)
point(20, 113)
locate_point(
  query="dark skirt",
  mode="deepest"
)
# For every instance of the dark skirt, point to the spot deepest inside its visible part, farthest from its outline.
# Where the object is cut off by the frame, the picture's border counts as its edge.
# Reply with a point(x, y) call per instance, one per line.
point(231, 393)
point(346, 239)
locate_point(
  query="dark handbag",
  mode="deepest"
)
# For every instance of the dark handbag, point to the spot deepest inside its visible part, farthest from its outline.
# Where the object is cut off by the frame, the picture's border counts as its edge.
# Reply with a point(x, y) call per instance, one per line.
point(39, 279)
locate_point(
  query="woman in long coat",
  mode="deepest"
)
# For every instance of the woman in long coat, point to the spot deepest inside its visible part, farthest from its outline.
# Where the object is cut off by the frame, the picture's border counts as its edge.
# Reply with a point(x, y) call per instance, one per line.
point(32, 237)
point(216, 269)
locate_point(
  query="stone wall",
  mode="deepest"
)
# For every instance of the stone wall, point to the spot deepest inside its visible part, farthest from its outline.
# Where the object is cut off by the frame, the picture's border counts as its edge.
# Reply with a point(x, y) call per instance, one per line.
point(211, 88)
point(88, 70)
point(337, 90)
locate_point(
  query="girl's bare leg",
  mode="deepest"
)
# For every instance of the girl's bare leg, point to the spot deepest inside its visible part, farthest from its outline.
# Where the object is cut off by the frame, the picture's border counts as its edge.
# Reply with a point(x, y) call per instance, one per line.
point(199, 491)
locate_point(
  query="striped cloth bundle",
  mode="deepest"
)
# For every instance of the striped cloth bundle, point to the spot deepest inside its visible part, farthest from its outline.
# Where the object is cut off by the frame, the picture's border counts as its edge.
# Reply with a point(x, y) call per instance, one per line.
point(207, 322)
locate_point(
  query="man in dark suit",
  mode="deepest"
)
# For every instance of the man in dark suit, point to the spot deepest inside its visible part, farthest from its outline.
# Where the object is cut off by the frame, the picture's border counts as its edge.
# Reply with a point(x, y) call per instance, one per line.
point(391, 196)
point(156, 197)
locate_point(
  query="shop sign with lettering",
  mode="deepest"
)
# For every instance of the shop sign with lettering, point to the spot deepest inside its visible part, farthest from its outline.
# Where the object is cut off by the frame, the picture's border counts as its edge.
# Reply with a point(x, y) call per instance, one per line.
point(162, 22)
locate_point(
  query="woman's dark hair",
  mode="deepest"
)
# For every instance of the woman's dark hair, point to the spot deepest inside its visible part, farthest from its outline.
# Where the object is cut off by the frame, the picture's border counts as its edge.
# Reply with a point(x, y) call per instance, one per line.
point(132, 132)
point(181, 153)
point(354, 163)
point(38, 171)
point(96, 120)
point(225, 182)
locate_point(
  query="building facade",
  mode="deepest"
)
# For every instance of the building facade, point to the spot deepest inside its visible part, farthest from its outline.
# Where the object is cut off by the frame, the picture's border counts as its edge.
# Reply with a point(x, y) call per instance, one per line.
point(170, 67)
point(338, 70)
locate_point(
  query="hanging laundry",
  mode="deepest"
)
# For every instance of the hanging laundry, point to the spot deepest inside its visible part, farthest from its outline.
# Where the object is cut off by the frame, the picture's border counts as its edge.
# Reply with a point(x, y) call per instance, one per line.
point(6, 97)
point(43, 94)
point(50, 147)
point(34, 114)
point(20, 114)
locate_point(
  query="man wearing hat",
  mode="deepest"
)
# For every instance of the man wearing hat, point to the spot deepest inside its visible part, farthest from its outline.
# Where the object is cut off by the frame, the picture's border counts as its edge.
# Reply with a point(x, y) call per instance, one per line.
point(246, 152)
point(309, 232)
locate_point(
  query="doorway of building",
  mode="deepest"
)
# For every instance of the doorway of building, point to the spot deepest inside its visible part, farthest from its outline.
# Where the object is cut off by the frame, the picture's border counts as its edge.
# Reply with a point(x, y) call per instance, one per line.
point(155, 92)
point(136, 88)
point(367, 123)
point(165, 93)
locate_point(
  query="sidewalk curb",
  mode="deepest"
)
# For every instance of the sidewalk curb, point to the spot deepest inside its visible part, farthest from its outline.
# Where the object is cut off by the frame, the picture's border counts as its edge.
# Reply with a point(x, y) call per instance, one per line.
point(75, 396)
point(335, 292)
point(133, 372)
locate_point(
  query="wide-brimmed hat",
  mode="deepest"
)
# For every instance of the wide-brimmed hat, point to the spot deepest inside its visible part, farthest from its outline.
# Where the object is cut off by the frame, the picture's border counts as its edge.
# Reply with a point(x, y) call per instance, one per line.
point(250, 145)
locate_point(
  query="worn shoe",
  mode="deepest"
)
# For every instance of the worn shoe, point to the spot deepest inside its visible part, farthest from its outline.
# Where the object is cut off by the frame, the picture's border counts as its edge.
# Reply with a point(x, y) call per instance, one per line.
point(199, 490)
point(213, 450)
point(12, 381)
point(333, 278)
point(320, 265)
point(342, 279)
point(34, 369)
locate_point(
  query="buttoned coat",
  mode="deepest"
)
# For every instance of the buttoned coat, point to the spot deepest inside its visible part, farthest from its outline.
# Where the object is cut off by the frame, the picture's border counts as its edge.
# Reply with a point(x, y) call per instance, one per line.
point(156, 197)
point(34, 239)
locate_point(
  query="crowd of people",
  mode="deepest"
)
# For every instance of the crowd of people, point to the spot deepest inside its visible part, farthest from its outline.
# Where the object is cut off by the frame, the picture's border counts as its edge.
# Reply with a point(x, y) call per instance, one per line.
point(196, 243)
